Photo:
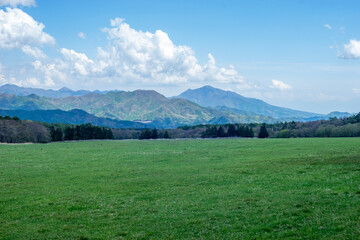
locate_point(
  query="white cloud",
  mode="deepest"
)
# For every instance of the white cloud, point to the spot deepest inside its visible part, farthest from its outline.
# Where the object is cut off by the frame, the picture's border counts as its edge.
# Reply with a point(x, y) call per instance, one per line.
point(2, 77)
point(152, 57)
point(33, 51)
point(49, 72)
point(29, 82)
point(82, 35)
point(328, 26)
point(18, 29)
point(77, 62)
point(279, 85)
point(15, 3)
point(131, 57)
point(351, 50)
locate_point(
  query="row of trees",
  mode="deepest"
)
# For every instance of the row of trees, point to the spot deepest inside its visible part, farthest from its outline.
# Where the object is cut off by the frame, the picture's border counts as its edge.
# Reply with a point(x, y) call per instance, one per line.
point(153, 134)
point(231, 131)
point(79, 132)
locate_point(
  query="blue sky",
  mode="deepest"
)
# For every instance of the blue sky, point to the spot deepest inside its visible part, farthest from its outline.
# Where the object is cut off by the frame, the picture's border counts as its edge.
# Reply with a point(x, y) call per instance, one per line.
point(298, 54)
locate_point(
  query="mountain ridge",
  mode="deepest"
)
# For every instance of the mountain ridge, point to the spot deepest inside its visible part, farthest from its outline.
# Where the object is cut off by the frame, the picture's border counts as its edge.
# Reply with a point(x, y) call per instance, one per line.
point(229, 101)
point(199, 106)
point(139, 105)
point(75, 116)
point(62, 92)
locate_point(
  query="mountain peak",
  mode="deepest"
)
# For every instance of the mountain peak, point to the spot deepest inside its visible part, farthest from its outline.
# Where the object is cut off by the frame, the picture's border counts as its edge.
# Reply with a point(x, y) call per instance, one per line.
point(208, 96)
point(64, 89)
point(8, 85)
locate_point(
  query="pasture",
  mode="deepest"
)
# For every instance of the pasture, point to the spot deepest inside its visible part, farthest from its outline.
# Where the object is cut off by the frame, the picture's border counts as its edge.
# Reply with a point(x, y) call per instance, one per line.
point(181, 189)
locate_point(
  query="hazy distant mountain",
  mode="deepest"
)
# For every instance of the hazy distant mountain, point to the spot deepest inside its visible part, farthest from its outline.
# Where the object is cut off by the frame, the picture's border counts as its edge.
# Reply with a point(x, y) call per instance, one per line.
point(218, 107)
point(140, 105)
point(228, 101)
point(330, 115)
point(63, 92)
point(75, 116)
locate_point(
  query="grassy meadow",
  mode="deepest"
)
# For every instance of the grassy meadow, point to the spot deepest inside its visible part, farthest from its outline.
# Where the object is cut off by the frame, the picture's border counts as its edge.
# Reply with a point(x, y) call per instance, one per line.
point(181, 189)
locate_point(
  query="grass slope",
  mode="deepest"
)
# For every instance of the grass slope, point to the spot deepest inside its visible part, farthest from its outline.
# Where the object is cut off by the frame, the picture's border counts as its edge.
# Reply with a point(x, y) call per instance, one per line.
point(199, 189)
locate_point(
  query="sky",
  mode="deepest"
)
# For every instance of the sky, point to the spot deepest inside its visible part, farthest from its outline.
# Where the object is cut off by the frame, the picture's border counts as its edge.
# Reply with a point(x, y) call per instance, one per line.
point(303, 54)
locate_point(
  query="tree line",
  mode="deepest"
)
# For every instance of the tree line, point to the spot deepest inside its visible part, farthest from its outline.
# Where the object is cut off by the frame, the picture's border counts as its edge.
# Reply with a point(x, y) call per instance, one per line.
point(334, 127)
point(14, 130)
point(79, 132)
point(153, 134)
point(231, 131)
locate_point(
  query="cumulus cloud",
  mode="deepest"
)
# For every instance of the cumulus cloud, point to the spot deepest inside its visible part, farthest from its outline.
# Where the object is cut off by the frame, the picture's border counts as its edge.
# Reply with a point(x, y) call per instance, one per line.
point(279, 85)
point(77, 62)
point(131, 56)
point(48, 72)
point(18, 29)
point(82, 35)
point(15, 3)
point(351, 50)
point(146, 56)
point(328, 26)
point(33, 51)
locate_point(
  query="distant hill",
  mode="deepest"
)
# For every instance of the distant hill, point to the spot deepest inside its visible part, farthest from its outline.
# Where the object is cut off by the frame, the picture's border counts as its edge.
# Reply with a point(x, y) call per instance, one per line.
point(75, 116)
point(63, 92)
point(139, 105)
point(228, 101)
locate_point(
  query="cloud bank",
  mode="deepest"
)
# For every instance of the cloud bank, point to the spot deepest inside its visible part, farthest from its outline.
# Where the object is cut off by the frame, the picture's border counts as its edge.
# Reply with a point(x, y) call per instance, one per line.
point(130, 57)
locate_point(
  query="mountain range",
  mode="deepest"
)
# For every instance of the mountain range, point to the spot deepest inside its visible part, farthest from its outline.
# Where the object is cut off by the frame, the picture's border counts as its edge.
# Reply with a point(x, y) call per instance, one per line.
point(206, 105)
point(63, 92)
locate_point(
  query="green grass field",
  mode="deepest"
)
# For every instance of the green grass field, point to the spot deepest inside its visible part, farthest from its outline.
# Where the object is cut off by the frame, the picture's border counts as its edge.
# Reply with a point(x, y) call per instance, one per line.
point(185, 189)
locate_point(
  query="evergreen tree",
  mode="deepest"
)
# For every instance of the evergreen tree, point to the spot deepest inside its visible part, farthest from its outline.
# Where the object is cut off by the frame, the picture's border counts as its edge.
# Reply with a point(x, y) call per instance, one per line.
point(166, 135)
point(231, 132)
point(145, 134)
point(240, 132)
point(220, 132)
point(58, 135)
point(248, 132)
point(263, 133)
point(69, 133)
point(251, 133)
point(52, 133)
point(154, 134)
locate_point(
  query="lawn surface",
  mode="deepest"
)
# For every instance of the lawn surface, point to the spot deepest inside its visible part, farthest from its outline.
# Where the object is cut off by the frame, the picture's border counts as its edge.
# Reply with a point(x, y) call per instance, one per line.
point(181, 189)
